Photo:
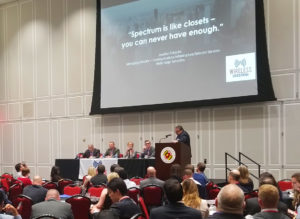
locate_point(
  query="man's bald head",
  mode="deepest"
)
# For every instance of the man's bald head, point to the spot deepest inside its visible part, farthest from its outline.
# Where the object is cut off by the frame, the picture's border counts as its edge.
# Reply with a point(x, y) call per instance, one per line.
point(151, 172)
point(234, 176)
point(230, 200)
point(52, 194)
point(37, 180)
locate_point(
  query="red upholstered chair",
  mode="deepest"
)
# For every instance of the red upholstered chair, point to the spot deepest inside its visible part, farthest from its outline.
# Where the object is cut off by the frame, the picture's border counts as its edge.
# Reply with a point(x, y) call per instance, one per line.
point(4, 184)
point(14, 191)
point(50, 185)
point(8, 177)
point(152, 195)
point(143, 207)
point(285, 184)
point(134, 193)
point(23, 204)
point(253, 194)
point(72, 190)
point(96, 190)
point(212, 191)
point(138, 216)
point(121, 155)
point(137, 180)
point(80, 206)
point(63, 183)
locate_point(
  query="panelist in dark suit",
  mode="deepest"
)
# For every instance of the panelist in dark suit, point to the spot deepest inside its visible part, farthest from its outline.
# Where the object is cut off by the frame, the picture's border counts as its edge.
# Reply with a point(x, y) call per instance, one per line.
point(175, 208)
point(112, 151)
point(148, 151)
point(91, 152)
point(182, 135)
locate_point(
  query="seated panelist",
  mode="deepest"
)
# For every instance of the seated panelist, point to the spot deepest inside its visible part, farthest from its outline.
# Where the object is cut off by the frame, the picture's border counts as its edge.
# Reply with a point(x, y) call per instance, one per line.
point(112, 151)
point(148, 151)
point(91, 152)
point(130, 153)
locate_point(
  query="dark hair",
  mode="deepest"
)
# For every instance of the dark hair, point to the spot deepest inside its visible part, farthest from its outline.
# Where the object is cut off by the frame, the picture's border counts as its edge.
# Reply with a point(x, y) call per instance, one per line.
point(25, 171)
point(173, 190)
point(175, 170)
point(18, 167)
point(122, 173)
point(101, 169)
point(1, 198)
point(113, 167)
point(55, 174)
point(117, 184)
point(189, 166)
point(188, 172)
point(201, 167)
point(267, 178)
point(179, 127)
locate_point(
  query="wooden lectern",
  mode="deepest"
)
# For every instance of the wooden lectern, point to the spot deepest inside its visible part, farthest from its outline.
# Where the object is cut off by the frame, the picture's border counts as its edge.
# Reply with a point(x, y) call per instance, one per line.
point(167, 154)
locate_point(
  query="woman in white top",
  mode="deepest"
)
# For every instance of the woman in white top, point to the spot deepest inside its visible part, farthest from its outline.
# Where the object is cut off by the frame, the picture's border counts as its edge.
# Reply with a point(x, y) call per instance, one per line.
point(191, 197)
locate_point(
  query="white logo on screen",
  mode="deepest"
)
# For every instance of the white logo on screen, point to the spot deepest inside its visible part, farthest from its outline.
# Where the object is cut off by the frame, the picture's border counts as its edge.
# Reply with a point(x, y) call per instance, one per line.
point(241, 67)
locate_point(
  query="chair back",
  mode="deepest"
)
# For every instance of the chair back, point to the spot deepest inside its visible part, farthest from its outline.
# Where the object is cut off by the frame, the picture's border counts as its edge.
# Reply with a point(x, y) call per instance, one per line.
point(152, 195)
point(143, 207)
point(46, 216)
point(50, 185)
point(72, 190)
point(134, 193)
point(96, 190)
point(63, 183)
point(80, 206)
point(4, 184)
point(137, 180)
point(23, 204)
point(121, 155)
point(14, 191)
point(285, 184)
point(253, 194)
point(8, 177)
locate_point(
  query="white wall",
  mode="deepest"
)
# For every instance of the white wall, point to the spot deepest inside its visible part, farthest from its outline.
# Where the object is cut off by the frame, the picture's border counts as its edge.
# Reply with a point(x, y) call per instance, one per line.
point(46, 80)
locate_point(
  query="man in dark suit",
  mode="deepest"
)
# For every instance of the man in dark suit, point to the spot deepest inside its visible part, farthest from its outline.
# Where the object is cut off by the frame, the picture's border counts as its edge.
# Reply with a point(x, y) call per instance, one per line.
point(112, 151)
point(175, 208)
point(268, 198)
point(100, 178)
point(122, 206)
point(151, 180)
point(91, 152)
point(182, 135)
point(35, 191)
point(53, 206)
point(148, 151)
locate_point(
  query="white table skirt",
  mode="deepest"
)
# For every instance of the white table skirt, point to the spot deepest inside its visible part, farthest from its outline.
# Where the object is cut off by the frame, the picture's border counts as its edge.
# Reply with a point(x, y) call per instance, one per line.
point(86, 163)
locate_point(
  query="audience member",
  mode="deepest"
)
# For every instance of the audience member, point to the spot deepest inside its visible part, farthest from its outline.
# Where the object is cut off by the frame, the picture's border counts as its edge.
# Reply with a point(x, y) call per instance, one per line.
point(100, 178)
point(35, 191)
point(268, 199)
point(91, 152)
point(113, 167)
point(188, 174)
point(55, 174)
point(229, 203)
point(5, 198)
point(25, 177)
point(176, 172)
point(199, 175)
point(91, 173)
point(123, 175)
point(190, 166)
point(18, 168)
point(123, 206)
point(296, 188)
point(148, 150)
point(191, 197)
point(112, 151)
point(52, 206)
point(151, 180)
point(7, 208)
point(245, 180)
point(175, 208)
point(104, 202)
point(252, 205)
point(234, 178)
point(130, 153)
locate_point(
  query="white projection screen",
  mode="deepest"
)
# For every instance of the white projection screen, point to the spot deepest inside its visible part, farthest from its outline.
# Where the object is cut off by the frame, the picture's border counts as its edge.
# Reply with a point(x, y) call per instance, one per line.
point(165, 54)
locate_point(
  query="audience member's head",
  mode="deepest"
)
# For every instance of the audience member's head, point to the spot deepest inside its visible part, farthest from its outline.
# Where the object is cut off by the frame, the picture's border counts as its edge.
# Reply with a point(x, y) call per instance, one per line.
point(121, 172)
point(25, 172)
point(175, 171)
point(18, 167)
point(92, 171)
point(201, 167)
point(296, 188)
point(267, 179)
point(190, 194)
point(268, 196)
point(190, 166)
point(151, 172)
point(52, 194)
point(37, 180)
point(55, 171)
point(113, 167)
point(112, 176)
point(188, 173)
point(234, 176)
point(100, 169)
point(116, 189)
point(173, 190)
point(230, 200)
point(244, 174)
point(111, 144)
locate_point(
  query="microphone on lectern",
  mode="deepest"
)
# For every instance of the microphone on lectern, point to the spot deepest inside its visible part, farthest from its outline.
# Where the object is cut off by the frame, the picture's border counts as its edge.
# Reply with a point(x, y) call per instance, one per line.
point(168, 135)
